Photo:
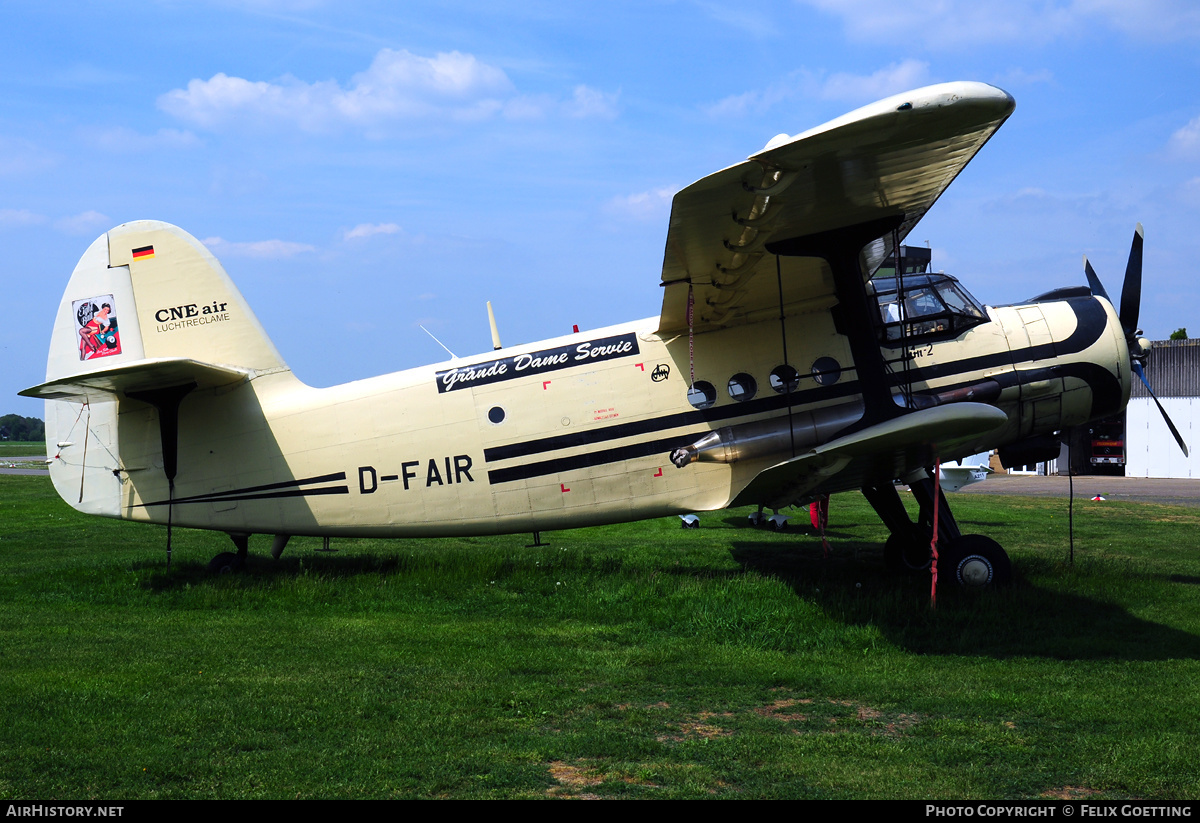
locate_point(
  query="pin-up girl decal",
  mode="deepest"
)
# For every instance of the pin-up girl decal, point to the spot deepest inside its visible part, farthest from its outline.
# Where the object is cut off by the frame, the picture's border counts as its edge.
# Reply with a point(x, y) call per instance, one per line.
point(97, 326)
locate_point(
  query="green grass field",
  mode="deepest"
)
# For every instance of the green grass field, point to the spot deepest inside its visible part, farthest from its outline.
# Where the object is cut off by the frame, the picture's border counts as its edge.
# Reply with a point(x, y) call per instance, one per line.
point(8, 447)
point(10, 450)
point(640, 661)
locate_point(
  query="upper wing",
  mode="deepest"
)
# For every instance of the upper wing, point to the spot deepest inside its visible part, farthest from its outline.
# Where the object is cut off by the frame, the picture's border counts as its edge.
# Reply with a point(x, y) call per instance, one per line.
point(891, 159)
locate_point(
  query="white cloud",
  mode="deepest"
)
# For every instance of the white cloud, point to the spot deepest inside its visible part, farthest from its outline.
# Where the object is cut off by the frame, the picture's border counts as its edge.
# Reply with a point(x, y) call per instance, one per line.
point(947, 23)
point(842, 87)
point(398, 84)
point(966, 23)
point(740, 16)
point(1190, 191)
point(1185, 142)
point(1157, 20)
point(282, 5)
point(263, 249)
point(120, 139)
point(587, 102)
point(1020, 77)
point(19, 156)
point(84, 223)
point(643, 206)
point(20, 217)
point(363, 230)
point(397, 88)
point(893, 79)
point(735, 105)
point(529, 107)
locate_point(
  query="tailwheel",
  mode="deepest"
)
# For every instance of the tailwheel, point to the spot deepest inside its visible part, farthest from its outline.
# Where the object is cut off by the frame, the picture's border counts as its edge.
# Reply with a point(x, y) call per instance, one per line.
point(907, 551)
point(976, 562)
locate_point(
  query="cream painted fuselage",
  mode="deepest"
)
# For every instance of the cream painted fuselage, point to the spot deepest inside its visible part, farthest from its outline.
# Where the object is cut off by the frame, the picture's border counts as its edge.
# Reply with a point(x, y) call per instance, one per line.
point(569, 432)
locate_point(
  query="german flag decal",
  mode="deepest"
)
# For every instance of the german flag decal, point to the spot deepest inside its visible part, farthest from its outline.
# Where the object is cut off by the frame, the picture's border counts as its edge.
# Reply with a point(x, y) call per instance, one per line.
point(144, 253)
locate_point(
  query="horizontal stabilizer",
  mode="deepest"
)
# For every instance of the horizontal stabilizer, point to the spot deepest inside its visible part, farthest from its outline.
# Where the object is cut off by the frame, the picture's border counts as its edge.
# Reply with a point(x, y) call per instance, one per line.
point(139, 376)
point(903, 443)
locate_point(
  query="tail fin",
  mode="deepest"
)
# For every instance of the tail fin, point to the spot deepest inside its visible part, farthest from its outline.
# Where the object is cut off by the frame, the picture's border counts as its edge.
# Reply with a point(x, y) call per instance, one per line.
point(148, 310)
point(166, 297)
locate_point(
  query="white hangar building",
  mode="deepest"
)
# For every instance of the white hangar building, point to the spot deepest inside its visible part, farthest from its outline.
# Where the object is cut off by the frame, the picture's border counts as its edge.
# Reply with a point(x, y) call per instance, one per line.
point(1173, 369)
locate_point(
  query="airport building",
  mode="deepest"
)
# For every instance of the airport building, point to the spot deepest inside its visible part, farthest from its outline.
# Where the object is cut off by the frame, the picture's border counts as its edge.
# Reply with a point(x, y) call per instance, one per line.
point(1173, 369)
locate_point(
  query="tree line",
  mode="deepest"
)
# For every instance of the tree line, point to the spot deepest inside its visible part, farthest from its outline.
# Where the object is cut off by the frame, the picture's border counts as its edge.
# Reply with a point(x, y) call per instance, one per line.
point(16, 427)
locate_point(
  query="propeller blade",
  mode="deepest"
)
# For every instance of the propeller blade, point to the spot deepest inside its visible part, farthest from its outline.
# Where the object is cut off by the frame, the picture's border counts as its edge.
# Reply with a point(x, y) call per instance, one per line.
point(1137, 368)
point(1131, 290)
point(1093, 281)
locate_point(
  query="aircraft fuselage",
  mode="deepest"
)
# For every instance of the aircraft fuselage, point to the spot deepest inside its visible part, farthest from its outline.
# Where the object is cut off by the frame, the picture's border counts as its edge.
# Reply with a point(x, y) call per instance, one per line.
point(577, 430)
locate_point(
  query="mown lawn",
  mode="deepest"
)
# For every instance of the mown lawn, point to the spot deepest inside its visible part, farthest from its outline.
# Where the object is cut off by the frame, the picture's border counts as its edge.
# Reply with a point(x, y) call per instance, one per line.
point(640, 660)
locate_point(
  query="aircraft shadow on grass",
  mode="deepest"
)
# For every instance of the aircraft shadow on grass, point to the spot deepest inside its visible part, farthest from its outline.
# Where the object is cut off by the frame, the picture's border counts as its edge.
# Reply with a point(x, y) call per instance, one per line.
point(1023, 620)
point(333, 565)
point(851, 585)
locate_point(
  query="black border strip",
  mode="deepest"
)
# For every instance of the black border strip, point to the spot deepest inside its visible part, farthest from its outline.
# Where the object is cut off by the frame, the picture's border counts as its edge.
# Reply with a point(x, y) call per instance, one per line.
point(1091, 323)
point(597, 458)
point(670, 421)
point(286, 488)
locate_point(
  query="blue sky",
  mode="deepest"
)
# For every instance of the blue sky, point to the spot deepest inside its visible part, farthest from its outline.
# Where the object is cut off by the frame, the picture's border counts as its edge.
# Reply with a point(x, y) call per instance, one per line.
point(363, 168)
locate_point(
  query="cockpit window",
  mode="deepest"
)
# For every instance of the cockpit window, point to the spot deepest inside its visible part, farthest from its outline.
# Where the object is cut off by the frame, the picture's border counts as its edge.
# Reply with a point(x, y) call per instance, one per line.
point(931, 305)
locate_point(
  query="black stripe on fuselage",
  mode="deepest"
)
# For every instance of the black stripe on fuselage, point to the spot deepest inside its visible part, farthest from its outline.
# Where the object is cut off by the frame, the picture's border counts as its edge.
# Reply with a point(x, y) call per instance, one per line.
point(287, 488)
point(1091, 321)
point(669, 421)
point(589, 459)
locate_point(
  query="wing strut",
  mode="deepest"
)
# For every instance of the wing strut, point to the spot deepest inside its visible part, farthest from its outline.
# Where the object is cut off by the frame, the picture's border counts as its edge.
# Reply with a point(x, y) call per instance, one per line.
point(905, 357)
point(787, 385)
point(856, 311)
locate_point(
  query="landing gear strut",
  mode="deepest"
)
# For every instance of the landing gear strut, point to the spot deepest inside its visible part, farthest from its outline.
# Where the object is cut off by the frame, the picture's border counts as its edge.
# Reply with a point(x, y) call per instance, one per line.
point(972, 560)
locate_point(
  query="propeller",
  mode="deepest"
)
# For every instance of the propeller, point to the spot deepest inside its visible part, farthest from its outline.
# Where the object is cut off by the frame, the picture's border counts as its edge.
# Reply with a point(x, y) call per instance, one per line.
point(1137, 369)
point(1131, 301)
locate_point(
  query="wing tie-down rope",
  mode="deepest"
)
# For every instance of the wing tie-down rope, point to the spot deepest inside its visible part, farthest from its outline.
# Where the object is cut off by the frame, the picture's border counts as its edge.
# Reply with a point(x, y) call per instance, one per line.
point(691, 341)
point(933, 559)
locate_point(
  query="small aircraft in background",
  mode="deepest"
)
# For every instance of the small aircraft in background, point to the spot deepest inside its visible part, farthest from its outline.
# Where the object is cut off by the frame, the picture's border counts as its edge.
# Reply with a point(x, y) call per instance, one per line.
point(958, 474)
point(782, 368)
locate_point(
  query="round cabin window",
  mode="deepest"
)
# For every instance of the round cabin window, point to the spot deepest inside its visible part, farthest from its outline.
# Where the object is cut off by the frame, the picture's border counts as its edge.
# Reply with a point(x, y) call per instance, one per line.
point(784, 379)
point(826, 371)
point(742, 387)
point(702, 395)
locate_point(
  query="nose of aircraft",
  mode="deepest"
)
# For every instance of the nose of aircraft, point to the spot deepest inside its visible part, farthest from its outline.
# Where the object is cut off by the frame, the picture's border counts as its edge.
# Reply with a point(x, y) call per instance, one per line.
point(1116, 356)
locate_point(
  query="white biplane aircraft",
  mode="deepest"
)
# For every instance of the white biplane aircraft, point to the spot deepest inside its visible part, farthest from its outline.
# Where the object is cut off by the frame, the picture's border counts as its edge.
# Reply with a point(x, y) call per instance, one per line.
point(778, 371)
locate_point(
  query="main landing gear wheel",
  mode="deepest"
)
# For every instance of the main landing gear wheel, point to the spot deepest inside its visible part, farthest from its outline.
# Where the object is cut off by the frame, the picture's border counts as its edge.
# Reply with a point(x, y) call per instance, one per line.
point(225, 563)
point(907, 552)
point(976, 562)
point(228, 562)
